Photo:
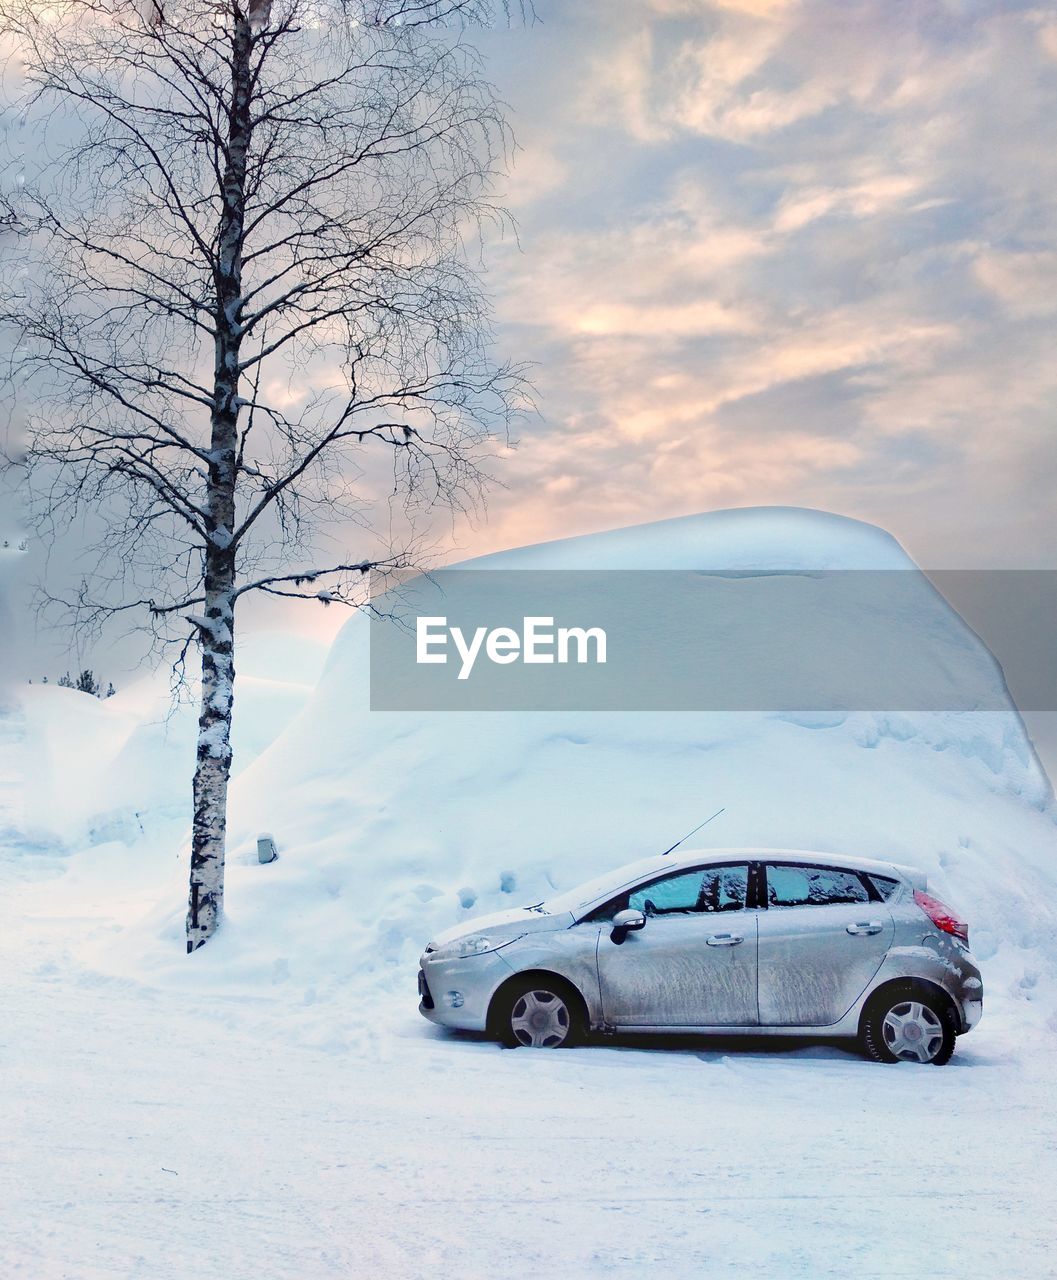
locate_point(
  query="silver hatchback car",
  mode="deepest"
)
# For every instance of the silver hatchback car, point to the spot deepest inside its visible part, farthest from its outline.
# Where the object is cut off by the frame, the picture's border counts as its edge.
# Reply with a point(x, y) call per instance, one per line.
point(734, 941)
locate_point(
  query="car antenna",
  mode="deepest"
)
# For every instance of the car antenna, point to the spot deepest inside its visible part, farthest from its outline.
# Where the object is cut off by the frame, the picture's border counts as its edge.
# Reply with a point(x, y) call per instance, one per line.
point(692, 833)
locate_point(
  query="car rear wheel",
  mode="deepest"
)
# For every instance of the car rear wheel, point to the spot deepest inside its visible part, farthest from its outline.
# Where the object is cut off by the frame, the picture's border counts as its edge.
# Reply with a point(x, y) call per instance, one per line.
point(540, 1014)
point(910, 1026)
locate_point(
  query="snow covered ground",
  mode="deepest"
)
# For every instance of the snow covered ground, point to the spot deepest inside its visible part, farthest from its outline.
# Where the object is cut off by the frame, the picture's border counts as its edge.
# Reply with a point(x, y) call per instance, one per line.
point(162, 1136)
point(275, 1107)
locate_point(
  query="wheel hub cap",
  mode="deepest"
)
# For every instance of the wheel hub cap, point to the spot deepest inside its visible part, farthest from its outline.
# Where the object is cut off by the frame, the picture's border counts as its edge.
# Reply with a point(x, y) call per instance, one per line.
point(540, 1019)
point(912, 1031)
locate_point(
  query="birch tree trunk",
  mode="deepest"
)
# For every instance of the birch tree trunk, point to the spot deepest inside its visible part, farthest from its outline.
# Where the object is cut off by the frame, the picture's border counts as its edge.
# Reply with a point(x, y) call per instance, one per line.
point(213, 765)
point(216, 628)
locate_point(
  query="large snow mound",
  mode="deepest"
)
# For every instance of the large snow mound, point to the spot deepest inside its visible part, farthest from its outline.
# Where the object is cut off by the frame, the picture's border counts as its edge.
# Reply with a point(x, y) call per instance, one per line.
point(742, 538)
point(393, 826)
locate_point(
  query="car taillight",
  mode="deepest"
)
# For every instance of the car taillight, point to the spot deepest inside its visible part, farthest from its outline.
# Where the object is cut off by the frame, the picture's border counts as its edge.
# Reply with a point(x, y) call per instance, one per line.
point(941, 915)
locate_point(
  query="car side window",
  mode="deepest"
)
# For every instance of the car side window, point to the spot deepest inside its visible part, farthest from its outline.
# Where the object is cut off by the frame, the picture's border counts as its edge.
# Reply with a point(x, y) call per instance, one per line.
point(725, 888)
point(792, 885)
point(707, 889)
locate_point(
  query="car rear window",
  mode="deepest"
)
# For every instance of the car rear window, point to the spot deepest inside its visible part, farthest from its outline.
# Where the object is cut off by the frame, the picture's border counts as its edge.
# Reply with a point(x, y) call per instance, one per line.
point(794, 885)
point(885, 886)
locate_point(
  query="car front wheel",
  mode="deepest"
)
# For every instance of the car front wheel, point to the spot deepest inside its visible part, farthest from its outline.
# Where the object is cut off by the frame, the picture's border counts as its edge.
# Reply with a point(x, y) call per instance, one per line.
point(909, 1026)
point(540, 1014)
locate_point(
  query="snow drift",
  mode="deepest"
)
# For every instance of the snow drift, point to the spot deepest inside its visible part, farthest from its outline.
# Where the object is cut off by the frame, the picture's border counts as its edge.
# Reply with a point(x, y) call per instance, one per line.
point(99, 769)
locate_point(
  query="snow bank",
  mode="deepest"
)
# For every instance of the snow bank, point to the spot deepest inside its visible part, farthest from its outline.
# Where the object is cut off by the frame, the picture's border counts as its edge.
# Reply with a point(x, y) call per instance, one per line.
point(117, 768)
point(393, 826)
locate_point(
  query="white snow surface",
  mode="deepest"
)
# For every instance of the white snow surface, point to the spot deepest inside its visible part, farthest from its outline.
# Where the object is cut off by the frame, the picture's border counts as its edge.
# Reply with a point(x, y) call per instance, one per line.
point(274, 1106)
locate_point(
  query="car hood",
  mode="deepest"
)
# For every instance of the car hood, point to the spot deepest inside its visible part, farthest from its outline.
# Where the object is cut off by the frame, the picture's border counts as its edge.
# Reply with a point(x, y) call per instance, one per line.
point(512, 924)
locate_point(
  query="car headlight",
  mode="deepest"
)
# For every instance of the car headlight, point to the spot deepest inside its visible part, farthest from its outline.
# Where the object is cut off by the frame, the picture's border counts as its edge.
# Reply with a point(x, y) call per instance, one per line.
point(476, 945)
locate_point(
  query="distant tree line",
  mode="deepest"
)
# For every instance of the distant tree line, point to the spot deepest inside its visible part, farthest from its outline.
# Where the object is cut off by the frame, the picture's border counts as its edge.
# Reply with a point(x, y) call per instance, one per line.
point(84, 683)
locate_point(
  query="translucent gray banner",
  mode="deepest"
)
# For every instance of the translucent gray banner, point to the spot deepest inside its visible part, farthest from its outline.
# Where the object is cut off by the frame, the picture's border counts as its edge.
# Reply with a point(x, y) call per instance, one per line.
point(648, 640)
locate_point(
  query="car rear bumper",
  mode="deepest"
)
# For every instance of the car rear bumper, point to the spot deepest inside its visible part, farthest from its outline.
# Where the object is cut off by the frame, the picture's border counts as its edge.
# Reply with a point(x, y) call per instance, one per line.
point(969, 991)
point(972, 1012)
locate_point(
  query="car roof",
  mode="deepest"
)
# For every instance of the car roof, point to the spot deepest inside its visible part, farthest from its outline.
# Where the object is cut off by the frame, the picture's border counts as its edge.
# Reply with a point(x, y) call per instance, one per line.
point(602, 887)
point(852, 861)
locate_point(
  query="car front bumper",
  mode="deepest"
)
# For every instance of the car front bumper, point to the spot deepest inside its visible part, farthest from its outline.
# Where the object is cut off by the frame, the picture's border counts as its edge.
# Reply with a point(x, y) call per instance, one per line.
point(457, 993)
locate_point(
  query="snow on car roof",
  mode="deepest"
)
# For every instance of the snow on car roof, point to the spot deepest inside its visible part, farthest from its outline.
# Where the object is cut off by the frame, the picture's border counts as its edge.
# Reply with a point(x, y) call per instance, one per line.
point(850, 860)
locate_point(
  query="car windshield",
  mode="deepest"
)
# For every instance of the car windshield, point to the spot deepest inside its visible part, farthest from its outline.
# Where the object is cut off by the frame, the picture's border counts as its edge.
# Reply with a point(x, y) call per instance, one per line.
point(599, 887)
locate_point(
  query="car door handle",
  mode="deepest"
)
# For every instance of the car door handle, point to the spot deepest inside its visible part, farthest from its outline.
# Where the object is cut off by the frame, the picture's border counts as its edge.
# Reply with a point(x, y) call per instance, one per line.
point(866, 926)
point(724, 940)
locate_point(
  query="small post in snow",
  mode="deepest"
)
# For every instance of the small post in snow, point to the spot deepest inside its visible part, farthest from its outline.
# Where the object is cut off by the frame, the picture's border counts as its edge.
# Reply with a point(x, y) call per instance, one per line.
point(266, 850)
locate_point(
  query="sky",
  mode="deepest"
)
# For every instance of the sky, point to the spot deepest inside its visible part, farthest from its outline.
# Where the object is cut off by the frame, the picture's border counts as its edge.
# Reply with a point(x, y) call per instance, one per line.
point(777, 252)
point(795, 253)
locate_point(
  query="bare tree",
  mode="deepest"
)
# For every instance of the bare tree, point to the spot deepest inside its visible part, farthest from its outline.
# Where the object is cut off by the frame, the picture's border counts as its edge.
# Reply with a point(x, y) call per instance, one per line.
point(240, 277)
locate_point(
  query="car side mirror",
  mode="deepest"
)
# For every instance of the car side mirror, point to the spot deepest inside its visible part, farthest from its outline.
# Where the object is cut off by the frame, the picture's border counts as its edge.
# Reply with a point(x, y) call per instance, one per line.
point(625, 922)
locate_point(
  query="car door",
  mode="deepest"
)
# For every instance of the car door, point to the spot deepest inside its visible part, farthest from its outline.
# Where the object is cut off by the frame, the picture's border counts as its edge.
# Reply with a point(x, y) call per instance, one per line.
point(821, 940)
point(694, 962)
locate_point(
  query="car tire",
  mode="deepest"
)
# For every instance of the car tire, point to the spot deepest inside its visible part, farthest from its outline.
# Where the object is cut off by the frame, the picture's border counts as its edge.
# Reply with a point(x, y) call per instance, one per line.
point(906, 1024)
point(540, 1013)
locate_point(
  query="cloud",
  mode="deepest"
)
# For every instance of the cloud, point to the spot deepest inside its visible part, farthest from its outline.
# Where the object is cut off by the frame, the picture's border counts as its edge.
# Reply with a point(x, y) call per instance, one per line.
point(690, 8)
point(1024, 283)
point(537, 173)
point(681, 320)
point(863, 199)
